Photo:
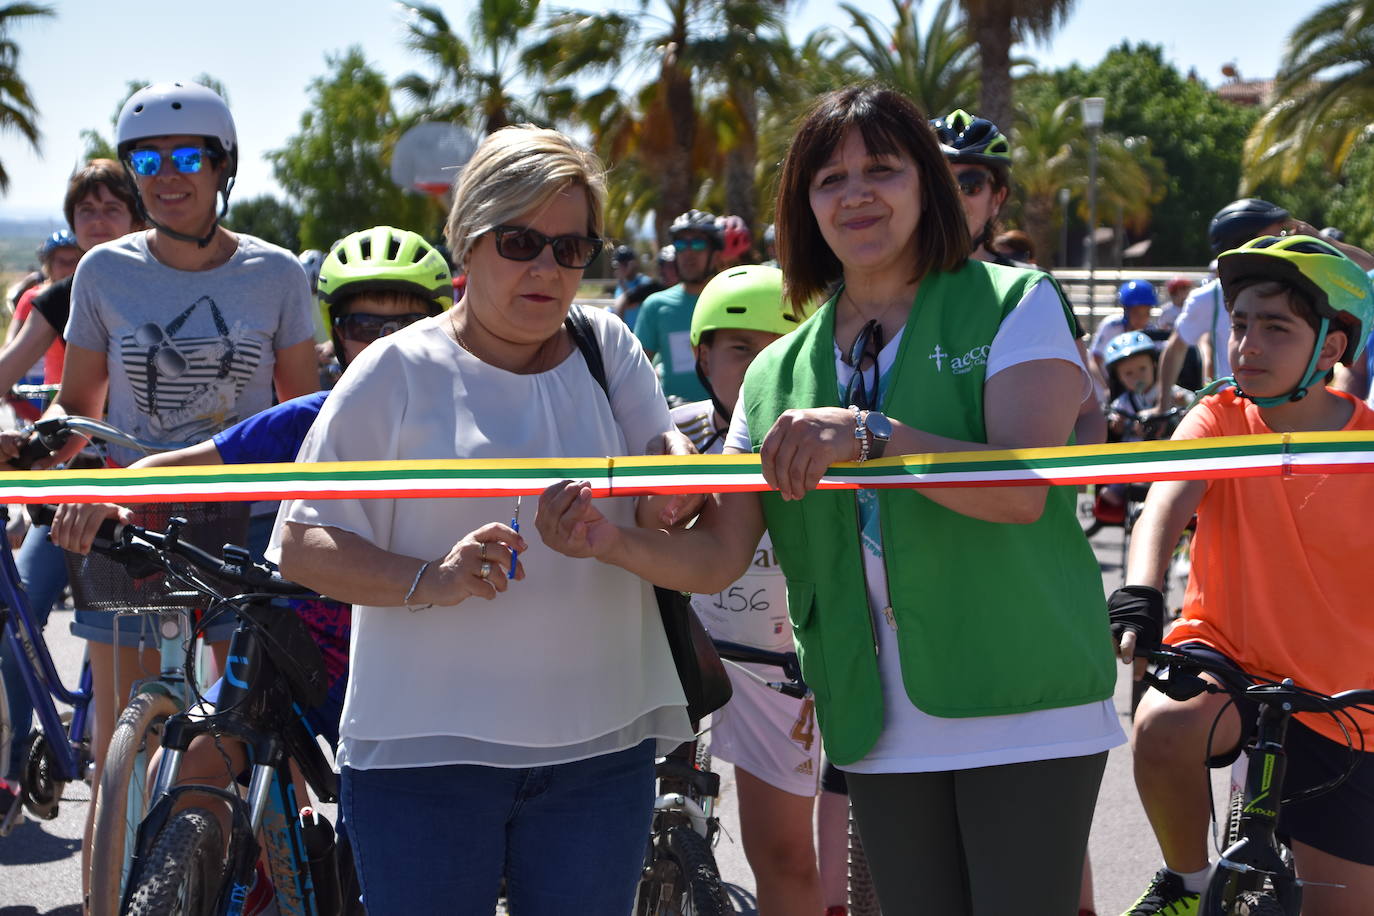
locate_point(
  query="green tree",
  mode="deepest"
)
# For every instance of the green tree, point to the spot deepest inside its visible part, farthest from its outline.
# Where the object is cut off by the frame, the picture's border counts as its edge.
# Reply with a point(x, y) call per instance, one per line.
point(938, 71)
point(474, 77)
point(996, 25)
point(1324, 95)
point(335, 168)
point(18, 114)
point(269, 218)
point(1194, 133)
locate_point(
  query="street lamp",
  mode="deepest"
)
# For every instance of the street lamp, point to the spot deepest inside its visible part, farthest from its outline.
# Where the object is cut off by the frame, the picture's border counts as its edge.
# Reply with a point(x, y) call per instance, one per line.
point(1093, 111)
point(1064, 228)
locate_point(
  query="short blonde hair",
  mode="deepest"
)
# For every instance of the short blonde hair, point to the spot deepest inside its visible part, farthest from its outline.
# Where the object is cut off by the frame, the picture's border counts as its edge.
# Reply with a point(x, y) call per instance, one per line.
point(514, 171)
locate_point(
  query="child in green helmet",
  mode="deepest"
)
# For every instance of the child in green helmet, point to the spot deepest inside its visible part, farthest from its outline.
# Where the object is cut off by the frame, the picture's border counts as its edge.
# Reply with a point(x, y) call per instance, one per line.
point(1276, 586)
point(770, 738)
point(373, 283)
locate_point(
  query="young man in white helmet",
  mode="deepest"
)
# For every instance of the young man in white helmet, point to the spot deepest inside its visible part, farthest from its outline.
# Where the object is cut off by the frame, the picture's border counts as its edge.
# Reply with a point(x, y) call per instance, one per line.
point(188, 328)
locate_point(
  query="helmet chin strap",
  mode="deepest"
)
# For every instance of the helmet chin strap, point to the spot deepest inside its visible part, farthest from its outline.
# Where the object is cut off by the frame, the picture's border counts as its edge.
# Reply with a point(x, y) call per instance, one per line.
point(201, 241)
point(1309, 378)
point(720, 408)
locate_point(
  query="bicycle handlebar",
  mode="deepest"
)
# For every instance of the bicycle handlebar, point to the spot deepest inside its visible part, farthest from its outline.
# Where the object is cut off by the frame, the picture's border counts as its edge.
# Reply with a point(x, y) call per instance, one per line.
point(1183, 683)
point(48, 436)
point(132, 544)
point(794, 686)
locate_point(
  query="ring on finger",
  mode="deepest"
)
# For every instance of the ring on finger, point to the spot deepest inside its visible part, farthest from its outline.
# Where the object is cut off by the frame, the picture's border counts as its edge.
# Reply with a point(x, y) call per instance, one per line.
point(484, 552)
point(484, 570)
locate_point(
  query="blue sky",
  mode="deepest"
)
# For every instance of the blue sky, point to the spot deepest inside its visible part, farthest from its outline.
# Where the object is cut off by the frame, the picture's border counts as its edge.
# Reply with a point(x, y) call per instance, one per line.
point(267, 51)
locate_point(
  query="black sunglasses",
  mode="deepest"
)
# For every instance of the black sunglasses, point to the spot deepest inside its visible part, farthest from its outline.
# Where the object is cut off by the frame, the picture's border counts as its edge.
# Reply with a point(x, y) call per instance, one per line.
point(363, 327)
point(868, 343)
point(520, 243)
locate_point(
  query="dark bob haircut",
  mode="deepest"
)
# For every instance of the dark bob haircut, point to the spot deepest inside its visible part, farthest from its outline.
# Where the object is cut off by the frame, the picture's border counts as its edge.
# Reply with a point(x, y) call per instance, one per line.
point(890, 125)
point(105, 172)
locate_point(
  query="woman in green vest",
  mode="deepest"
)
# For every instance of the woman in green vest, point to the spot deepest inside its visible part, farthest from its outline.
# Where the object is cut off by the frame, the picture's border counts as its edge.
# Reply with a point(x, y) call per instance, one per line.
point(956, 639)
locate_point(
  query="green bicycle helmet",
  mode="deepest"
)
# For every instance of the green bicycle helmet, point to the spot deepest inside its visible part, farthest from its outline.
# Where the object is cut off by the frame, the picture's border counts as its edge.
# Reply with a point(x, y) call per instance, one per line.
point(746, 298)
point(383, 259)
point(970, 140)
point(1339, 289)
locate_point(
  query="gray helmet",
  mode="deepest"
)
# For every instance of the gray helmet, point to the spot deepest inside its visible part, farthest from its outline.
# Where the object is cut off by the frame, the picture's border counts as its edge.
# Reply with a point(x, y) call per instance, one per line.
point(167, 109)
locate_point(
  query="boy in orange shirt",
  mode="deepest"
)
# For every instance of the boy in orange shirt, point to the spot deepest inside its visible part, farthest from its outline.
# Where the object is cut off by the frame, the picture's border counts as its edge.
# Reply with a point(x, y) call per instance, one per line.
point(1277, 585)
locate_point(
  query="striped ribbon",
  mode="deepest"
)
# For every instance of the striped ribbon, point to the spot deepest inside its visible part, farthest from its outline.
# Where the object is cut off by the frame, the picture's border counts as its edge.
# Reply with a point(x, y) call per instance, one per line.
point(1197, 459)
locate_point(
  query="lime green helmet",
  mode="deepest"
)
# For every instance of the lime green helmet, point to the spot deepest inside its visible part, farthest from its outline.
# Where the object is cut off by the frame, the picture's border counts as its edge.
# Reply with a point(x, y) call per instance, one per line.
point(746, 298)
point(384, 259)
point(1339, 289)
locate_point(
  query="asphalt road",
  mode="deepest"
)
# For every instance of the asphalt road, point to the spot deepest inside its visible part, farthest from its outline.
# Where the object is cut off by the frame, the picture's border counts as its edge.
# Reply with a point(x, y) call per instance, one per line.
point(39, 862)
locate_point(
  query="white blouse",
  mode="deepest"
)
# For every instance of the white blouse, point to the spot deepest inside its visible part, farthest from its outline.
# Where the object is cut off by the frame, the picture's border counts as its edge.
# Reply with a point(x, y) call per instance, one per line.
point(570, 662)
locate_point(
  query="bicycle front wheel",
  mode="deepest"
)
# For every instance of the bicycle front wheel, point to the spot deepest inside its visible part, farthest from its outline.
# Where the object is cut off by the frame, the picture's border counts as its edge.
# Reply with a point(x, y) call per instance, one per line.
point(184, 869)
point(681, 878)
point(121, 799)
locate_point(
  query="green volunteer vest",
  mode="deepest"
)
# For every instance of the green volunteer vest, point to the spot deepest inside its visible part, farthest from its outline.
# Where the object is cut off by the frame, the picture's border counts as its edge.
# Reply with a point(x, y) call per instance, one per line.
point(991, 618)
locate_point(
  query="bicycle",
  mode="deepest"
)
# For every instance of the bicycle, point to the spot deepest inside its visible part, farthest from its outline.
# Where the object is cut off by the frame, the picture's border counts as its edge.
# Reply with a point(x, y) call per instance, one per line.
point(181, 861)
point(680, 876)
point(1255, 875)
point(120, 799)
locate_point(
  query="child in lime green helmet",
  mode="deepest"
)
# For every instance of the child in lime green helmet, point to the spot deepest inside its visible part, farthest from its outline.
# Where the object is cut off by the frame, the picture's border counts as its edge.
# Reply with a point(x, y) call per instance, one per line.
point(371, 284)
point(1276, 588)
point(770, 738)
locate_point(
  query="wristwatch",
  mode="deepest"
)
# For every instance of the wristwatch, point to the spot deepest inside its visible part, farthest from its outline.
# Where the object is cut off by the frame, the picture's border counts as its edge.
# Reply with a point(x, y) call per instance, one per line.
point(880, 428)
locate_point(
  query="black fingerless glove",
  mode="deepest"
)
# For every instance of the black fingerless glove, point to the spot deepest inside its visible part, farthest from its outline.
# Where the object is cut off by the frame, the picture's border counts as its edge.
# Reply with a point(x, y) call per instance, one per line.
point(1139, 608)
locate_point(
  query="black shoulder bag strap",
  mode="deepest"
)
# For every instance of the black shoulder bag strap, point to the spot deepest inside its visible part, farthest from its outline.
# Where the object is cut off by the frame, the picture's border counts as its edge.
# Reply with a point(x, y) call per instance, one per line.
point(704, 679)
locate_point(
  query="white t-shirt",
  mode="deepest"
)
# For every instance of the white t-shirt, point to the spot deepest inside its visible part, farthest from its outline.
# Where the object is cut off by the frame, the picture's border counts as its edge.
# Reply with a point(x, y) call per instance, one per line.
point(1203, 311)
point(569, 663)
point(913, 741)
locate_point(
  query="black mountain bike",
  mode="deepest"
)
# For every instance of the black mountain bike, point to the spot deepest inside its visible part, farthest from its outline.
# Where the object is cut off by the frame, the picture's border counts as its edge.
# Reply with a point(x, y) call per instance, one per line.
point(1255, 875)
point(181, 861)
point(680, 875)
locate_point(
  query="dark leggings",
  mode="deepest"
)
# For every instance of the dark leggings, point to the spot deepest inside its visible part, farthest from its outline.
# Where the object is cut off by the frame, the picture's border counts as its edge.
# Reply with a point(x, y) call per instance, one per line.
point(992, 840)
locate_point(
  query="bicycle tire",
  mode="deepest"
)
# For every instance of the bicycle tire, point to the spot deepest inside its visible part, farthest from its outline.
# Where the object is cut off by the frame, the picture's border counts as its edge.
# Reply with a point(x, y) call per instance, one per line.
point(184, 868)
point(681, 878)
point(144, 713)
point(863, 898)
point(6, 726)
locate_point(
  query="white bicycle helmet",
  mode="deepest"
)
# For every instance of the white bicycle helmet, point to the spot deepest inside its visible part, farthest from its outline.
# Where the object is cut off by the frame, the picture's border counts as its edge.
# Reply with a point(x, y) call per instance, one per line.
point(181, 107)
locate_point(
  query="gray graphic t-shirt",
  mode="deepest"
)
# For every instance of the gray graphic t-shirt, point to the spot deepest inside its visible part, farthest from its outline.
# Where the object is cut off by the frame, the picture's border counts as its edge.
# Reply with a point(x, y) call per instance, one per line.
point(189, 352)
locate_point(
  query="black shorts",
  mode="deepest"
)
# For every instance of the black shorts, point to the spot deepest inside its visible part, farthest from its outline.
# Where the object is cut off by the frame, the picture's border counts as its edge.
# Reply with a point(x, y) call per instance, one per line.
point(1339, 822)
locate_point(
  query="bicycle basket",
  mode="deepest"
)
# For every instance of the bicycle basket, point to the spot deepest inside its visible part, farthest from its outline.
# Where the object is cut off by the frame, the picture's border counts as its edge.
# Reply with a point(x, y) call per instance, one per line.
point(102, 584)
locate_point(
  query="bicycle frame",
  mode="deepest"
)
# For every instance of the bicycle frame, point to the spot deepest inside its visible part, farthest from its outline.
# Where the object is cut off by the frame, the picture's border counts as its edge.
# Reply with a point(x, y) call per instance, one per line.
point(1256, 855)
point(252, 695)
point(39, 674)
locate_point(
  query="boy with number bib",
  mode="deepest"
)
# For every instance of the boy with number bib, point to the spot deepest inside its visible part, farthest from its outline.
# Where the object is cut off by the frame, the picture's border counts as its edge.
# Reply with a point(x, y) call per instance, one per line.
point(770, 738)
point(1276, 586)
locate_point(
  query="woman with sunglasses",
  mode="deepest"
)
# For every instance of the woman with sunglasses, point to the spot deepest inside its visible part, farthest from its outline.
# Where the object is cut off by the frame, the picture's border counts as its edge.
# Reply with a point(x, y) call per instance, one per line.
point(512, 735)
point(176, 332)
point(955, 638)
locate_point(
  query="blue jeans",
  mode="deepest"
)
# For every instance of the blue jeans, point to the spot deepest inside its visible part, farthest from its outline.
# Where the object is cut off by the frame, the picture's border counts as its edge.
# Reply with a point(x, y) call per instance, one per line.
point(43, 573)
point(569, 838)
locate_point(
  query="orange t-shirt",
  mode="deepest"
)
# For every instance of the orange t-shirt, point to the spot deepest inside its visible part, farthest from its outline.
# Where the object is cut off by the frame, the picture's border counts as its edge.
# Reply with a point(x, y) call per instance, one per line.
point(1278, 579)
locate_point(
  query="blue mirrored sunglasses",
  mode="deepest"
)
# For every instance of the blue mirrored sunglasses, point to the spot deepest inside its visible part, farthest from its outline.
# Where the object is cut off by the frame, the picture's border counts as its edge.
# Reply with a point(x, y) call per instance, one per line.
point(185, 159)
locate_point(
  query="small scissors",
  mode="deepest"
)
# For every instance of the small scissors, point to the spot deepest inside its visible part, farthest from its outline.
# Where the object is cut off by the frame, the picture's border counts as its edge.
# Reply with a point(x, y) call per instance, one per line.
point(515, 524)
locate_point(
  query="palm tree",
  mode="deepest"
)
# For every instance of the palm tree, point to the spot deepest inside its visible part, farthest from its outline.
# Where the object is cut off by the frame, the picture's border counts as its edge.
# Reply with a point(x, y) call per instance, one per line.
point(1324, 92)
point(996, 25)
point(680, 42)
point(17, 111)
point(937, 71)
point(474, 77)
point(1049, 152)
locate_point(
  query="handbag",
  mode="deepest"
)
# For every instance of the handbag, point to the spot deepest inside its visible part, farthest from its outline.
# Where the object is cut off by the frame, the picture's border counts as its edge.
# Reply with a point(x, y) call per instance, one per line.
point(704, 679)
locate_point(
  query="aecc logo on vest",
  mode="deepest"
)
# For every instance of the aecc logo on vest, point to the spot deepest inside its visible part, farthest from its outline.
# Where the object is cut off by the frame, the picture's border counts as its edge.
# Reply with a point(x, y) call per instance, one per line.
point(978, 356)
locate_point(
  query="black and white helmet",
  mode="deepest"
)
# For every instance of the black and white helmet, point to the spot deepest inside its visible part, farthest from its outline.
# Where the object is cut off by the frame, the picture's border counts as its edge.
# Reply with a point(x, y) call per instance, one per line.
point(698, 221)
